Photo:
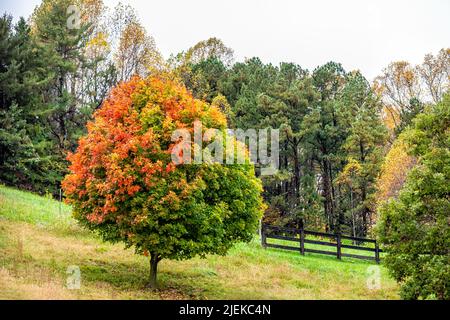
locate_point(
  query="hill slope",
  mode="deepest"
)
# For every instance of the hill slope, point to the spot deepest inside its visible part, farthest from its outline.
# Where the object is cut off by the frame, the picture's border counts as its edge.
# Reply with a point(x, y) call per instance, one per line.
point(39, 241)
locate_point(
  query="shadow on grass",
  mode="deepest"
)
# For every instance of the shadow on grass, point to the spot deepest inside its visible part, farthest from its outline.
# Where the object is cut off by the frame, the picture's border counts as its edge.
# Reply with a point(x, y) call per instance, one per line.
point(132, 276)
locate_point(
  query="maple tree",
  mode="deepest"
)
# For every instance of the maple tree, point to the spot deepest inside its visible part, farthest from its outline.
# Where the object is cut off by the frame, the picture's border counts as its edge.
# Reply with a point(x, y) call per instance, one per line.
point(124, 185)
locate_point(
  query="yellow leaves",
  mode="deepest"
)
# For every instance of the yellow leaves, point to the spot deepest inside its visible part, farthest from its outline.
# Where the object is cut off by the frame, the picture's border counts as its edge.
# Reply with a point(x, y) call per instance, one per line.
point(99, 40)
point(409, 77)
point(351, 171)
point(92, 9)
point(221, 102)
point(391, 118)
point(394, 170)
point(133, 33)
point(137, 53)
point(218, 118)
point(403, 74)
point(169, 126)
point(212, 47)
point(151, 115)
point(398, 84)
point(378, 88)
point(97, 46)
point(139, 219)
point(401, 81)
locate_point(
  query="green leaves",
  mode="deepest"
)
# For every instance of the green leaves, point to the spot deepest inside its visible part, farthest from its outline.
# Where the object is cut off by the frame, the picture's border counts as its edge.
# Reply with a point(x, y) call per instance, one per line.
point(415, 228)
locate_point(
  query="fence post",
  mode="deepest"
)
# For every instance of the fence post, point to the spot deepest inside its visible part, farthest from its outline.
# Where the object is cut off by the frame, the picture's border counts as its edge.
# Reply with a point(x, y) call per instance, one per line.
point(263, 236)
point(338, 246)
point(377, 252)
point(302, 241)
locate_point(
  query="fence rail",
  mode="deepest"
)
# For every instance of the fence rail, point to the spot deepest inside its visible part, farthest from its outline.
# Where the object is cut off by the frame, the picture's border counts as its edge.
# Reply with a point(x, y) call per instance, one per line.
point(300, 236)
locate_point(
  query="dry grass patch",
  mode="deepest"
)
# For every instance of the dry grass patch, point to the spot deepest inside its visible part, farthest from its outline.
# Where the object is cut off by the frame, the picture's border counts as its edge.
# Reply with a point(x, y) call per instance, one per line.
point(39, 241)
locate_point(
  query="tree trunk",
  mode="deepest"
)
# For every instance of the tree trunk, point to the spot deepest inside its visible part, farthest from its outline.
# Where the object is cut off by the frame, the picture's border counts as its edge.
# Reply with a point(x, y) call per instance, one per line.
point(296, 168)
point(154, 259)
point(334, 205)
point(285, 162)
point(327, 194)
point(353, 214)
point(365, 210)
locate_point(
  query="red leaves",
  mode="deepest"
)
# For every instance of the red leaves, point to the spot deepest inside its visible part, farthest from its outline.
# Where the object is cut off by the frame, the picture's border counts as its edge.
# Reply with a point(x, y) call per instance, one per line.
point(170, 167)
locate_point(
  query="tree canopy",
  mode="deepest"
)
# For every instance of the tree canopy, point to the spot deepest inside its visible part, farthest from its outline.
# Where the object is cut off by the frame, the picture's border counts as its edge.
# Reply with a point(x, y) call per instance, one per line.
point(415, 227)
point(124, 184)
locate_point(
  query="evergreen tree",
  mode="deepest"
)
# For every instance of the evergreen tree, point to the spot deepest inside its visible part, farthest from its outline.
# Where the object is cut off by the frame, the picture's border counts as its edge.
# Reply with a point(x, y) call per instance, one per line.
point(362, 152)
point(325, 134)
point(23, 77)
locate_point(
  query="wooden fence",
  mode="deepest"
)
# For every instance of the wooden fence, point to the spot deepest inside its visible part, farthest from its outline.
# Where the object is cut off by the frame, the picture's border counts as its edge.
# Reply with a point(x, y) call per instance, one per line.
point(335, 240)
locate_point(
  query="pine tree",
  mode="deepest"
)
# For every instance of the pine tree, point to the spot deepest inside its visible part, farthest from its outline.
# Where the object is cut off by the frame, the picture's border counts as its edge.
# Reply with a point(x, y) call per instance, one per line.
point(362, 152)
point(22, 79)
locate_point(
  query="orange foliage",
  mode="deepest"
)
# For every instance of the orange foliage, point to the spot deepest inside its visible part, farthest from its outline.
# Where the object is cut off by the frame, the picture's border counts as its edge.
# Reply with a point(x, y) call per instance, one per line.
point(121, 154)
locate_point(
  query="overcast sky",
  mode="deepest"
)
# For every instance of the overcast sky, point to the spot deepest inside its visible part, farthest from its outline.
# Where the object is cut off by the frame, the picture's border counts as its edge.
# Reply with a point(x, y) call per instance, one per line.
point(364, 35)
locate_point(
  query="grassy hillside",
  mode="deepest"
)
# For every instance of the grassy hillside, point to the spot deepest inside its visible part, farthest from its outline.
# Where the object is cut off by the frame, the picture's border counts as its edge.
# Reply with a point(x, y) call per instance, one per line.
point(39, 240)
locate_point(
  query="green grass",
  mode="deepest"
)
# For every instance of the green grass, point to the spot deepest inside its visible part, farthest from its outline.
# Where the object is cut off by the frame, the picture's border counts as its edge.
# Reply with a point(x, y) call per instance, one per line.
point(39, 240)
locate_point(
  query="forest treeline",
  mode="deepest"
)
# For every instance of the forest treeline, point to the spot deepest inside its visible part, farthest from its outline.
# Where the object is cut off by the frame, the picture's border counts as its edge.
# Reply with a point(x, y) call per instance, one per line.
point(340, 151)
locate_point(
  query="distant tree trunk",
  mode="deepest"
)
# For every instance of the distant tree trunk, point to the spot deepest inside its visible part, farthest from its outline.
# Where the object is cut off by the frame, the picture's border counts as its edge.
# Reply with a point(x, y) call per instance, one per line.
point(365, 211)
point(154, 259)
point(327, 193)
point(334, 202)
point(285, 162)
point(353, 213)
point(339, 210)
point(296, 167)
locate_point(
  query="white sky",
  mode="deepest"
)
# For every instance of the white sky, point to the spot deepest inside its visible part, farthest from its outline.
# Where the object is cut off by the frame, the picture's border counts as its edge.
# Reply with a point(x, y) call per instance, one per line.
point(364, 35)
